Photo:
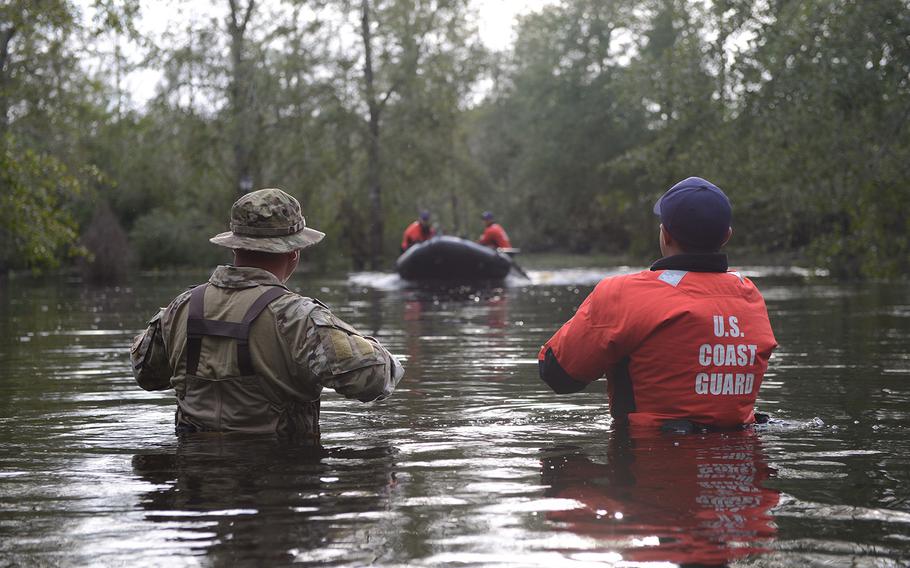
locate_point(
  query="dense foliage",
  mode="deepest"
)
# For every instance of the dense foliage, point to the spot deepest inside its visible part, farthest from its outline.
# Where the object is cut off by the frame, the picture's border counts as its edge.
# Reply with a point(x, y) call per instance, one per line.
point(369, 110)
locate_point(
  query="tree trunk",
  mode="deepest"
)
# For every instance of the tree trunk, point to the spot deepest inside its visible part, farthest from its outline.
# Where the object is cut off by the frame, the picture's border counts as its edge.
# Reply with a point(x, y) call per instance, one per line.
point(6, 36)
point(456, 217)
point(238, 94)
point(374, 172)
point(451, 165)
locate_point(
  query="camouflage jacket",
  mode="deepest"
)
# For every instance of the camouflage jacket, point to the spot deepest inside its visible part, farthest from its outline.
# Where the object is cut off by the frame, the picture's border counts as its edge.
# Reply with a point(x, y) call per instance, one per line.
point(296, 346)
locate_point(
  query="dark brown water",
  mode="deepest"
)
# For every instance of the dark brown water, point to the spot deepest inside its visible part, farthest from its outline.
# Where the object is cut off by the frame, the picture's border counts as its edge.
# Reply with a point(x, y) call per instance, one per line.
point(472, 461)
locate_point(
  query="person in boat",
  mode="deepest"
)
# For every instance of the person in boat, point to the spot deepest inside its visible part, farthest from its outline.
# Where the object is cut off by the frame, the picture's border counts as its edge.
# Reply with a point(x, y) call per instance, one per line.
point(245, 354)
point(684, 344)
point(494, 235)
point(418, 231)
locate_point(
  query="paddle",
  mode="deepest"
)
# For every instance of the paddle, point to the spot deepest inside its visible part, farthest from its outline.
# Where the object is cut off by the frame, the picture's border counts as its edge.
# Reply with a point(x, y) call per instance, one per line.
point(511, 252)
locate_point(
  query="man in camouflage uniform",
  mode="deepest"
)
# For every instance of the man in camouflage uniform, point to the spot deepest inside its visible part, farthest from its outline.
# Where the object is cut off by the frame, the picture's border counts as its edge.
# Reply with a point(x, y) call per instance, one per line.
point(244, 353)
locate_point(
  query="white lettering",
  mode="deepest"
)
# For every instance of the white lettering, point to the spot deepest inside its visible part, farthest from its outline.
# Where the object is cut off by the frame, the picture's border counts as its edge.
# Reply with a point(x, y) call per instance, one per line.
point(724, 356)
point(719, 352)
point(740, 384)
point(701, 383)
point(731, 356)
point(704, 355)
point(718, 326)
point(742, 357)
point(724, 383)
point(721, 355)
point(717, 383)
point(728, 383)
point(734, 327)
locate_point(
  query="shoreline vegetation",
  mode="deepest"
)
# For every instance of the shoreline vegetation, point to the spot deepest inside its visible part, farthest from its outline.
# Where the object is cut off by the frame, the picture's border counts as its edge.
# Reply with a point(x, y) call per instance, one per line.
point(776, 266)
point(798, 110)
point(737, 258)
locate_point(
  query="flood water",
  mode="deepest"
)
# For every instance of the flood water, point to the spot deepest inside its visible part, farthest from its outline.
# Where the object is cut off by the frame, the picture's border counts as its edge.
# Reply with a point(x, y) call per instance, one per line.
point(473, 461)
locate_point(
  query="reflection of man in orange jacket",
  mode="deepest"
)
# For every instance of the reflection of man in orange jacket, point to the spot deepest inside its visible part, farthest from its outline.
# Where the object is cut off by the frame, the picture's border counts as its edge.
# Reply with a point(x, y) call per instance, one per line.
point(686, 340)
point(418, 231)
point(494, 235)
point(688, 499)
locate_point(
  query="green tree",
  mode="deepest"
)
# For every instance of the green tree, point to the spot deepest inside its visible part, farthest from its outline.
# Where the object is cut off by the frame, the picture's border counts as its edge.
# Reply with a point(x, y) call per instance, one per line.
point(36, 228)
point(418, 63)
point(826, 113)
point(560, 116)
point(45, 102)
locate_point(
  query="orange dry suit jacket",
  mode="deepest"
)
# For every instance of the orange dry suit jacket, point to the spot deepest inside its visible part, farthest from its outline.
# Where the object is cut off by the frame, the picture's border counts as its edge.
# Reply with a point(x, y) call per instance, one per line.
point(686, 340)
point(495, 236)
point(416, 233)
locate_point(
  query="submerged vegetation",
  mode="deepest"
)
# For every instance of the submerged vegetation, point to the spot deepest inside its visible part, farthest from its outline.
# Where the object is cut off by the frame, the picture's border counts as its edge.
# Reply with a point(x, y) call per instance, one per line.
point(369, 110)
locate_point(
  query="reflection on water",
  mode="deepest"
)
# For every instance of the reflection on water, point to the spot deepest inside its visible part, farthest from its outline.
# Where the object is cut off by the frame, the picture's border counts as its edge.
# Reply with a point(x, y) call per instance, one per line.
point(690, 499)
point(262, 501)
point(472, 461)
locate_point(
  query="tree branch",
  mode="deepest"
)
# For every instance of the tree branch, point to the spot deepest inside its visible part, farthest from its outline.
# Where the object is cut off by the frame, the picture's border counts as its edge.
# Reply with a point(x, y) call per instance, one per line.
point(240, 27)
point(246, 17)
point(418, 50)
point(233, 5)
point(4, 47)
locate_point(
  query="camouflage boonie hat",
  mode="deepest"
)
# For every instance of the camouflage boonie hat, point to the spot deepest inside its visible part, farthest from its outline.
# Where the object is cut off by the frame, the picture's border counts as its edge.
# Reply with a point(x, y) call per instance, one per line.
point(268, 220)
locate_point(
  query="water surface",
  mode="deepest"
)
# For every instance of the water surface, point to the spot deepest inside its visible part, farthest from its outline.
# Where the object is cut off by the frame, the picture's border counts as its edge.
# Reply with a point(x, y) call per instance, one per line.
point(473, 461)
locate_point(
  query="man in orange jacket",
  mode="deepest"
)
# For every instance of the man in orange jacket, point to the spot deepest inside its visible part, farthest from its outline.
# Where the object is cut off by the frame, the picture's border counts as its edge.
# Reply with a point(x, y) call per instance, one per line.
point(494, 235)
point(418, 231)
point(684, 344)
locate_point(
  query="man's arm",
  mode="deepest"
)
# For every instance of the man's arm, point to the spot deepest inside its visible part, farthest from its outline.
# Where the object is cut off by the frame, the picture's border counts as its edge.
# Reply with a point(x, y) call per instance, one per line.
point(584, 348)
point(555, 376)
point(341, 358)
point(148, 357)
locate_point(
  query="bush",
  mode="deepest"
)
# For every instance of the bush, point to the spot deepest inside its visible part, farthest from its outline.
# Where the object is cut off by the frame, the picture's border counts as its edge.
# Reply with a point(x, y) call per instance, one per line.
point(164, 239)
point(107, 246)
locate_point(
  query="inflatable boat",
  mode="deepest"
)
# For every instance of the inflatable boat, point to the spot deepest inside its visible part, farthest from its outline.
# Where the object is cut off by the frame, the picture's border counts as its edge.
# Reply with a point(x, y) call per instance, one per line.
point(452, 258)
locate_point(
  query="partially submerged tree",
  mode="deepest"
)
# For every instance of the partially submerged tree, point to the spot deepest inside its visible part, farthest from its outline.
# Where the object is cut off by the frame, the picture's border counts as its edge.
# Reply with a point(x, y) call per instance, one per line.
point(44, 96)
point(410, 48)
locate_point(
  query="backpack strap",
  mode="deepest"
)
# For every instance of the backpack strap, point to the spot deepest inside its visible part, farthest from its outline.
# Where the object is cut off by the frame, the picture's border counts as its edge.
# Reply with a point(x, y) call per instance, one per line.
point(197, 327)
point(193, 334)
point(244, 360)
